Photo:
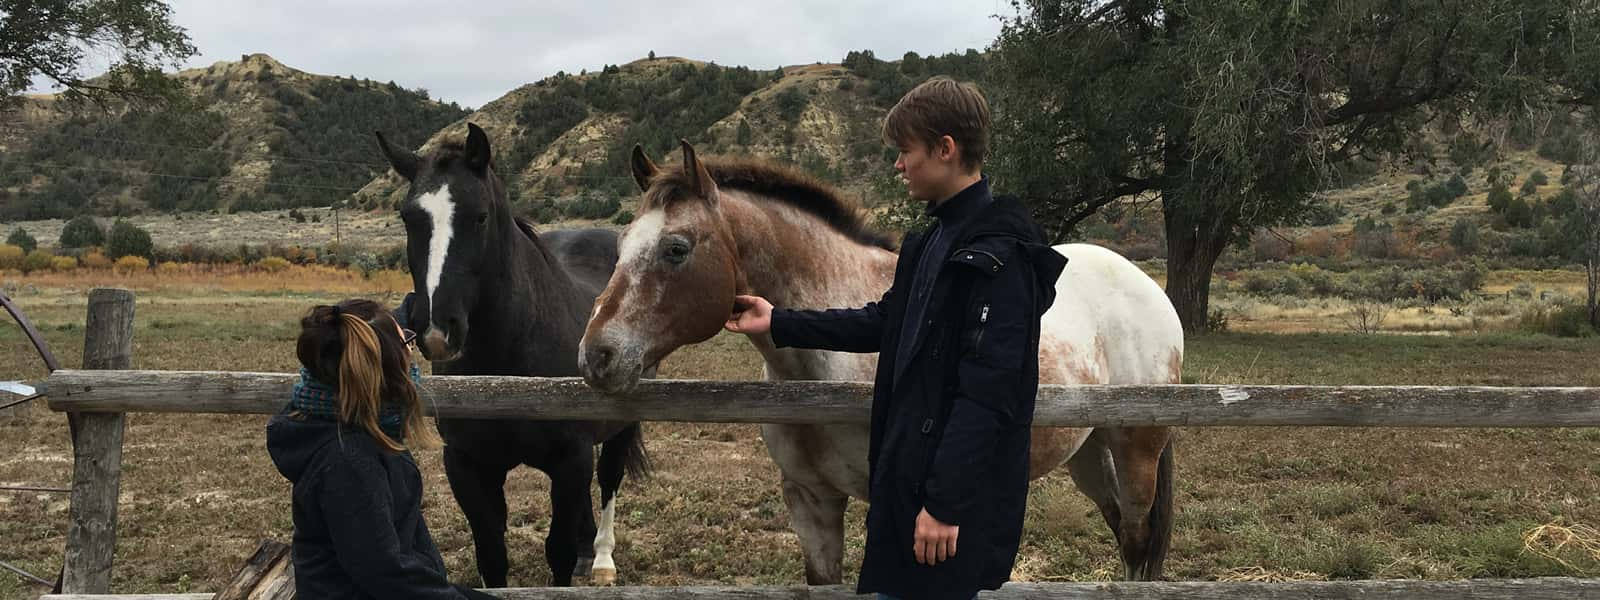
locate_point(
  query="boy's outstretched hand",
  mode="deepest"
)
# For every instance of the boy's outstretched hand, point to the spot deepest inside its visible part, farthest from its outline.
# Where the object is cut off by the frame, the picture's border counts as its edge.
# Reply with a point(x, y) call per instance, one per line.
point(751, 315)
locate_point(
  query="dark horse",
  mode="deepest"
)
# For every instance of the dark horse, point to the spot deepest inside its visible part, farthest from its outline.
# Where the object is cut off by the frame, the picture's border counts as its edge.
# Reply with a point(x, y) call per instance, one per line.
point(494, 298)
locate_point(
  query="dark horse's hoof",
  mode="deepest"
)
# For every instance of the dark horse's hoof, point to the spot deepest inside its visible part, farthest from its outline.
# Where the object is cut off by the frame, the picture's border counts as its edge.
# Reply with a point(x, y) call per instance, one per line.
point(585, 565)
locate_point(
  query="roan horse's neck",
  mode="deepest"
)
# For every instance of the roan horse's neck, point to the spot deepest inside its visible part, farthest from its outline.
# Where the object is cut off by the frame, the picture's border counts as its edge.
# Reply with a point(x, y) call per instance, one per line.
point(795, 260)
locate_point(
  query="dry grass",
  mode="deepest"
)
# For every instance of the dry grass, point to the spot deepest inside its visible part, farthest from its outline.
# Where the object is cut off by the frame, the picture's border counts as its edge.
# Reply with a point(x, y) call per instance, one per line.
point(1293, 315)
point(1552, 540)
point(199, 492)
point(189, 278)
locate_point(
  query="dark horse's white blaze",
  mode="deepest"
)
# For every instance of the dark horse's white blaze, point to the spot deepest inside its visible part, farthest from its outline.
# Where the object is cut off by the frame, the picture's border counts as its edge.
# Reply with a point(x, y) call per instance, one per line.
point(1110, 324)
point(440, 212)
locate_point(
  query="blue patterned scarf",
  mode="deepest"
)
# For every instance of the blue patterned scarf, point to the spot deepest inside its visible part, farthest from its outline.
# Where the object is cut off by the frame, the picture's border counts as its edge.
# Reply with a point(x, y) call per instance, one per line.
point(319, 400)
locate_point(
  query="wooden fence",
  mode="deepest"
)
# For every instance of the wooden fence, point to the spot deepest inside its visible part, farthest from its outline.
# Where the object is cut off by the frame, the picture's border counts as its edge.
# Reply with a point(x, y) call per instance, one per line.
point(104, 390)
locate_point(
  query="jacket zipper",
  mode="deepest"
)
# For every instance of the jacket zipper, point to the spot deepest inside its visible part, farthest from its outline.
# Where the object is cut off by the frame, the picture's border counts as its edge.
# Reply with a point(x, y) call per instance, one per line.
point(999, 264)
point(977, 343)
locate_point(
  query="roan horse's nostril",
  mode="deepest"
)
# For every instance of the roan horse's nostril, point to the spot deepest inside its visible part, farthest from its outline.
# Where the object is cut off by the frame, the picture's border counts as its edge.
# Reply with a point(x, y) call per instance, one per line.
point(599, 358)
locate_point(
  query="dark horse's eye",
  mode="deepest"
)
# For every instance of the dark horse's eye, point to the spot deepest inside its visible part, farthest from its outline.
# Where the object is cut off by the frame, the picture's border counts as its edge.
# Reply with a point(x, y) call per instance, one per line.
point(483, 218)
point(675, 250)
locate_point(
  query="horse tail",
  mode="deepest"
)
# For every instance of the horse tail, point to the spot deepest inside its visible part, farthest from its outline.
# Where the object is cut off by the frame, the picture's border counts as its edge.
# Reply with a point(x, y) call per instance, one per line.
point(1161, 514)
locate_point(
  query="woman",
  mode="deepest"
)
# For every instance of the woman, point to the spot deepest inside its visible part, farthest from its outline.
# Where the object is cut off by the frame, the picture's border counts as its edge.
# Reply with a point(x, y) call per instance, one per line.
point(342, 442)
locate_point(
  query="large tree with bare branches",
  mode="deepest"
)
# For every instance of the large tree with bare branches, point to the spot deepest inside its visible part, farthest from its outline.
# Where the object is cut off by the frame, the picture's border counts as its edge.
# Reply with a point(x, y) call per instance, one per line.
point(1232, 114)
point(53, 41)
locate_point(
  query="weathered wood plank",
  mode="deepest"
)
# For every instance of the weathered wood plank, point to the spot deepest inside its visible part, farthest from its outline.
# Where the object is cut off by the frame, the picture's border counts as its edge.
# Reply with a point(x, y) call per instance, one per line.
point(267, 575)
point(97, 451)
point(847, 402)
point(1552, 588)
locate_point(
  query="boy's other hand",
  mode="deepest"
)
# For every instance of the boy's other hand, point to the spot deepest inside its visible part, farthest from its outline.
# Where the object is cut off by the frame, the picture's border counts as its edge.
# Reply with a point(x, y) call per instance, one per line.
point(751, 315)
point(934, 542)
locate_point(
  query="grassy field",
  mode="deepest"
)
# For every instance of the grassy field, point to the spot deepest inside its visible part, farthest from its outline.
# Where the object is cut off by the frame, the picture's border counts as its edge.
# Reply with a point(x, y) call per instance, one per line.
point(199, 492)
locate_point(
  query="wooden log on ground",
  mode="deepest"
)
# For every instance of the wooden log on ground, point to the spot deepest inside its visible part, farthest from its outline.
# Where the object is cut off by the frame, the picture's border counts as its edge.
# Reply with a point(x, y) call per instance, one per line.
point(826, 402)
point(1547, 588)
point(267, 575)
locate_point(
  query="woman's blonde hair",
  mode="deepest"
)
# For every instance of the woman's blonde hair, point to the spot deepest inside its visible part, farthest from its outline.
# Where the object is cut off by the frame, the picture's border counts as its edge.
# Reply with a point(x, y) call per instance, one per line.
point(356, 345)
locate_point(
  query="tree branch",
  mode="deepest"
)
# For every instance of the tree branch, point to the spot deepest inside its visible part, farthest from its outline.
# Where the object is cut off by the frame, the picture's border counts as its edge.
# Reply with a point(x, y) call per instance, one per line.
point(1090, 18)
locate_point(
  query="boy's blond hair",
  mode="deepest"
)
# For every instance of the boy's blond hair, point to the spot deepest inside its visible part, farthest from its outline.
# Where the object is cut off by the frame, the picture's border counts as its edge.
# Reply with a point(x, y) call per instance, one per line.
point(939, 107)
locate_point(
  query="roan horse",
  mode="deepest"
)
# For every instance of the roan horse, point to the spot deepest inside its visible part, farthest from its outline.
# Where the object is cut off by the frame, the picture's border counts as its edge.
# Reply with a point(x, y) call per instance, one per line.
point(494, 298)
point(709, 230)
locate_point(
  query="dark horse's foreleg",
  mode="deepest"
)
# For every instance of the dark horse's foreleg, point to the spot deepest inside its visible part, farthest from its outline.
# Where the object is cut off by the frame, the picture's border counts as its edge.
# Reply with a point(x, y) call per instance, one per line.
point(621, 454)
point(1143, 460)
point(480, 491)
point(571, 516)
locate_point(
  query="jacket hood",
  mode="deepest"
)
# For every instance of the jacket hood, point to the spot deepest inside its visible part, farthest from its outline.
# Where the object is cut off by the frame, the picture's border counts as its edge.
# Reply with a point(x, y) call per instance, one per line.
point(294, 441)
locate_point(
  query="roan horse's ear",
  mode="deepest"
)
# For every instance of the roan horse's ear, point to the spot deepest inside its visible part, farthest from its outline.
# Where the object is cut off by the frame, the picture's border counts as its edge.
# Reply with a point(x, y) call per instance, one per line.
point(643, 169)
point(404, 161)
point(477, 151)
point(696, 172)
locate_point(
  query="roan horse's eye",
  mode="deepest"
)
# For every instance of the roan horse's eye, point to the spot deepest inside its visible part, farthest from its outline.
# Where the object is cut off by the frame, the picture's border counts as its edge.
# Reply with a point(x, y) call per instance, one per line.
point(675, 250)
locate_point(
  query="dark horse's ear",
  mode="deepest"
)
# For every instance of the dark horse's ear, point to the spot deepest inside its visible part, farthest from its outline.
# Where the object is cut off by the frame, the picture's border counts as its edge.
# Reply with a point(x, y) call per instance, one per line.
point(696, 172)
point(404, 161)
point(643, 169)
point(477, 152)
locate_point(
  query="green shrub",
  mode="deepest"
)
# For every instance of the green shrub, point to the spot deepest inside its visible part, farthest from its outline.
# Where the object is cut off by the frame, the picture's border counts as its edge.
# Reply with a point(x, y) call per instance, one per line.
point(82, 232)
point(128, 239)
point(19, 237)
point(1464, 236)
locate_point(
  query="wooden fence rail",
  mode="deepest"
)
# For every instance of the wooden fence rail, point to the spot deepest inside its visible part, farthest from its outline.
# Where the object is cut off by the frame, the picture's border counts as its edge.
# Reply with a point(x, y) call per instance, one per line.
point(848, 402)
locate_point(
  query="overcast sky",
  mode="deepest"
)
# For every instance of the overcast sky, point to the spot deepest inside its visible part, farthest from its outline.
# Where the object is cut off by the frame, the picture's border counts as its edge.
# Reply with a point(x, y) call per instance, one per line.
point(476, 56)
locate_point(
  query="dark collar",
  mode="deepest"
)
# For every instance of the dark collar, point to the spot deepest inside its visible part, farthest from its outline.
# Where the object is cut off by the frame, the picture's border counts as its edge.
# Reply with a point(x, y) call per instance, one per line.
point(962, 206)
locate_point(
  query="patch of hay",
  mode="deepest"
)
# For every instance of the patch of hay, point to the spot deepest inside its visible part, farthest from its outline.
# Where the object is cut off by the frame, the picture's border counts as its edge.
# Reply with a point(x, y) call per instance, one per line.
point(1550, 539)
point(1262, 575)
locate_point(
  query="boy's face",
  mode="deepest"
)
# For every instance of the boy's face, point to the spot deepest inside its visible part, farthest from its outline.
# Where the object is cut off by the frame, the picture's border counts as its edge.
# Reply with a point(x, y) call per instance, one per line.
point(931, 174)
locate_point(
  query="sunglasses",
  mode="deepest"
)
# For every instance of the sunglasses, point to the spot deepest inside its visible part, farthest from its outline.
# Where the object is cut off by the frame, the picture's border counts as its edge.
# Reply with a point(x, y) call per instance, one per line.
point(408, 337)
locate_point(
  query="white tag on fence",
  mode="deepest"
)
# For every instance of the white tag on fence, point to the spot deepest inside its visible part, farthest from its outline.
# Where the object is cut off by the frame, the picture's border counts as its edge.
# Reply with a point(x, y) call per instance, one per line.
point(16, 387)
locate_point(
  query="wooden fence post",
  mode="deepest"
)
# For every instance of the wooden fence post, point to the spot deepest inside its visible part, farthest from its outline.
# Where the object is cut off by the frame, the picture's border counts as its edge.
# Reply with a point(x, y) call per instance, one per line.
point(97, 451)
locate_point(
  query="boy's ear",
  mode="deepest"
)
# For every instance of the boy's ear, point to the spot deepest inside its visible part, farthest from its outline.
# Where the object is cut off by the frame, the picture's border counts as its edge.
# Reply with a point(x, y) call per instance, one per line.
point(947, 148)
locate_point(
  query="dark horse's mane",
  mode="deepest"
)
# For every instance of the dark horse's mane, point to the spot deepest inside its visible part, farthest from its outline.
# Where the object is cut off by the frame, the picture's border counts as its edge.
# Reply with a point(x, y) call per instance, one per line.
point(780, 183)
point(452, 149)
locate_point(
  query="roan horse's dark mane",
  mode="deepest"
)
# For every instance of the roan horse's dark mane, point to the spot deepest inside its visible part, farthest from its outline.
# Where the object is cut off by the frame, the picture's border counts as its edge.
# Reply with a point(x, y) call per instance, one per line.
point(773, 181)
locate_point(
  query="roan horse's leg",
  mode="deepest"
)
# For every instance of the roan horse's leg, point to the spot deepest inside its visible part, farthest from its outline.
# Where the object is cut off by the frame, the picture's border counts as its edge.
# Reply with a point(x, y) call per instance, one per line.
point(480, 491)
point(1096, 477)
point(572, 527)
point(1143, 459)
point(817, 517)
